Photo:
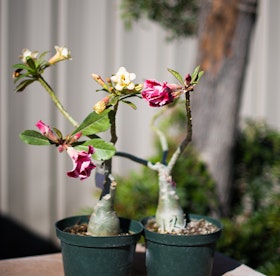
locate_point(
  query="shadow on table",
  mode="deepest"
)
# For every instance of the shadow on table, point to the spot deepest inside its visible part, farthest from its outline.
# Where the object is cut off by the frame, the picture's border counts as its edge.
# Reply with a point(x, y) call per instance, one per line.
point(18, 241)
point(222, 264)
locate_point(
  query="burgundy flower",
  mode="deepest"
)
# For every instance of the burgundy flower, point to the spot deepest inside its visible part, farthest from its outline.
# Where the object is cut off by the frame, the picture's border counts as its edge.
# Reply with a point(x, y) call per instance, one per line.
point(82, 163)
point(157, 94)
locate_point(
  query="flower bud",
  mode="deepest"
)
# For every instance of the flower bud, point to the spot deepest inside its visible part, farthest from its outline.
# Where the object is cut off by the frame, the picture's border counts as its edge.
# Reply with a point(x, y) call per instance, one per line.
point(138, 87)
point(100, 106)
point(99, 80)
point(62, 53)
point(188, 79)
point(75, 138)
point(46, 131)
point(16, 73)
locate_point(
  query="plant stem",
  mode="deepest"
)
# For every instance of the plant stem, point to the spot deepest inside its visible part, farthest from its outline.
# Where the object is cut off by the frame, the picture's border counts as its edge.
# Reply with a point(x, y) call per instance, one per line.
point(56, 101)
point(162, 137)
point(114, 137)
point(188, 137)
point(108, 163)
point(132, 157)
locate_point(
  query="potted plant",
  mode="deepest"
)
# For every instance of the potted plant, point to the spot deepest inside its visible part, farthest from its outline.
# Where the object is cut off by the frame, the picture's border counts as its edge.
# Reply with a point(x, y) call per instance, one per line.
point(87, 242)
point(170, 228)
point(176, 243)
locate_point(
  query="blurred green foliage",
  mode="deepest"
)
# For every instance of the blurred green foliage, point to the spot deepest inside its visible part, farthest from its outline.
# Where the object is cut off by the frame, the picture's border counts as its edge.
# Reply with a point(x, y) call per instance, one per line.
point(252, 233)
point(137, 195)
point(179, 17)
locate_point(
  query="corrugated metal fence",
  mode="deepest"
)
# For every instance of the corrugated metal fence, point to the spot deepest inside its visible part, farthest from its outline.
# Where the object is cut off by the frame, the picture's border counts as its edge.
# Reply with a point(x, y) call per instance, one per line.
point(34, 188)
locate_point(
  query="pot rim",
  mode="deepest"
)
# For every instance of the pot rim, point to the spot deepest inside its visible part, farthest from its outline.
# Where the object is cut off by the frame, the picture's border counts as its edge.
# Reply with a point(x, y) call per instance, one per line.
point(185, 240)
point(92, 241)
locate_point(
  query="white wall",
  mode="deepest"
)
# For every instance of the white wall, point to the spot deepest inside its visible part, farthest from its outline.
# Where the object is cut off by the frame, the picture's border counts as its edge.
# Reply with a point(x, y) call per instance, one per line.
point(34, 188)
point(261, 96)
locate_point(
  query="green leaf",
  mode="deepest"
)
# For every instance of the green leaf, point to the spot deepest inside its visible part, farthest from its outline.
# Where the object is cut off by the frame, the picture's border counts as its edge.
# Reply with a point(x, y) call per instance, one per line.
point(130, 104)
point(40, 59)
point(21, 66)
point(200, 74)
point(176, 75)
point(31, 63)
point(196, 75)
point(94, 123)
point(33, 137)
point(58, 132)
point(20, 87)
point(195, 72)
point(103, 150)
point(101, 90)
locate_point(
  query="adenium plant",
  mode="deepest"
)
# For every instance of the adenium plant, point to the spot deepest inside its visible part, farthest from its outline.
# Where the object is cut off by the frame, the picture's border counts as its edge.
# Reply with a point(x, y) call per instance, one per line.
point(88, 151)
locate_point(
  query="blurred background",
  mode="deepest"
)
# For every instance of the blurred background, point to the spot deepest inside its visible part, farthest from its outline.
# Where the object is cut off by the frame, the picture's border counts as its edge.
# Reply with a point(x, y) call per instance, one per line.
point(34, 189)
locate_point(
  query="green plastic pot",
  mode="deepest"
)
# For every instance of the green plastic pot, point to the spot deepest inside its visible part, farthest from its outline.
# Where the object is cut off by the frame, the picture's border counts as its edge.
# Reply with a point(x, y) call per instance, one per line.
point(181, 255)
point(87, 255)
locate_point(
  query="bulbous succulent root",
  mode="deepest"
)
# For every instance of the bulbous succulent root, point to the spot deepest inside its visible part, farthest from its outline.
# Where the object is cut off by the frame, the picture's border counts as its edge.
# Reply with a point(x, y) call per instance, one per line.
point(169, 215)
point(104, 220)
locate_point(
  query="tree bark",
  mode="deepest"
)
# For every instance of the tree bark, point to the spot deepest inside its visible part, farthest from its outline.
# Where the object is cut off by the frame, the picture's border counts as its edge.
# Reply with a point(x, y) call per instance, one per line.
point(225, 28)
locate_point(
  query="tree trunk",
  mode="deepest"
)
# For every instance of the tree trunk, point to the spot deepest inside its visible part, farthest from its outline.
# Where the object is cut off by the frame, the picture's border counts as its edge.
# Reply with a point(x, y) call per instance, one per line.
point(224, 39)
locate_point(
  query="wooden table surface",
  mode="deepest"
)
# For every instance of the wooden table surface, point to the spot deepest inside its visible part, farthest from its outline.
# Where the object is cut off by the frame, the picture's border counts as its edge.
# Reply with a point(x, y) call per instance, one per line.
point(51, 265)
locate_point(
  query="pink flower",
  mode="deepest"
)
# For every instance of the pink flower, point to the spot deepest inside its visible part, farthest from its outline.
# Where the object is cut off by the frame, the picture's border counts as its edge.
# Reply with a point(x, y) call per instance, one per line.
point(46, 131)
point(82, 163)
point(158, 94)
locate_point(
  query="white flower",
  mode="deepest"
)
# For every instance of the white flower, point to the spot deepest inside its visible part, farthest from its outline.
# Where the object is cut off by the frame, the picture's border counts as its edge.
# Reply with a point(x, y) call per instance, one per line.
point(62, 53)
point(123, 79)
point(27, 53)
